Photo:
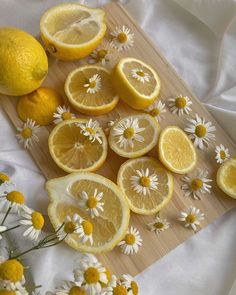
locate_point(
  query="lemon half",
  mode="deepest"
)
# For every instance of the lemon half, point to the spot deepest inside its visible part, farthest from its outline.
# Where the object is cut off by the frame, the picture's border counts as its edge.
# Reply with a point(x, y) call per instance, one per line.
point(226, 177)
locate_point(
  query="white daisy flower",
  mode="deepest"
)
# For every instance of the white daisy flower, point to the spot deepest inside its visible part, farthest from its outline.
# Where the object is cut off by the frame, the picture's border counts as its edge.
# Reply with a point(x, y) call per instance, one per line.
point(140, 75)
point(143, 182)
point(13, 199)
point(85, 231)
point(197, 184)
point(158, 225)
point(63, 113)
point(222, 154)
point(130, 284)
point(156, 110)
point(131, 242)
point(127, 132)
point(122, 39)
point(192, 217)
point(200, 131)
point(16, 287)
point(2, 230)
point(70, 226)
point(100, 55)
point(6, 185)
point(92, 204)
point(180, 105)
point(28, 133)
point(68, 288)
point(94, 84)
point(91, 130)
point(33, 220)
point(115, 286)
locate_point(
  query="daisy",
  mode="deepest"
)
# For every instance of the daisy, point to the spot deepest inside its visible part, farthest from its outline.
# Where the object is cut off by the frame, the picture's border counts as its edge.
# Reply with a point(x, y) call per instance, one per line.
point(91, 130)
point(63, 113)
point(109, 125)
point(6, 185)
point(68, 288)
point(115, 287)
point(33, 220)
point(100, 55)
point(180, 105)
point(13, 200)
point(158, 225)
point(28, 133)
point(222, 154)
point(122, 39)
point(197, 184)
point(156, 110)
point(130, 284)
point(140, 75)
point(2, 230)
point(143, 182)
point(93, 203)
point(85, 231)
point(192, 218)
point(132, 241)
point(127, 132)
point(200, 131)
point(94, 84)
point(70, 226)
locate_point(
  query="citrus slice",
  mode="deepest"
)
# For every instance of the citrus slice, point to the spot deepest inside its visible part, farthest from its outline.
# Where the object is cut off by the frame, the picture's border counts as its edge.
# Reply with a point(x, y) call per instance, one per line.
point(176, 151)
point(90, 91)
point(71, 31)
point(226, 177)
point(137, 83)
point(78, 144)
point(134, 136)
point(147, 185)
point(108, 228)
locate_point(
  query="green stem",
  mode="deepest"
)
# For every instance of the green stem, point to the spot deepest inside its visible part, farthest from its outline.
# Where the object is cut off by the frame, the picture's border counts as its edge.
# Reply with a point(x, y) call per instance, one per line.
point(5, 217)
point(11, 228)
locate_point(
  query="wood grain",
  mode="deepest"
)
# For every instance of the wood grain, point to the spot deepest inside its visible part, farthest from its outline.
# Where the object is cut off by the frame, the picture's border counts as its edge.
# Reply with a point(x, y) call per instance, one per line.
point(213, 205)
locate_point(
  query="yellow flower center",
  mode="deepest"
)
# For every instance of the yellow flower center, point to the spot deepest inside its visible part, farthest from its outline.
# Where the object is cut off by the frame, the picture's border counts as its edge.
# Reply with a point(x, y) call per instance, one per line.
point(90, 130)
point(11, 270)
point(159, 225)
point(69, 227)
point(134, 288)
point(37, 220)
point(140, 73)
point(15, 197)
point(122, 37)
point(200, 131)
point(7, 292)
point(155, 112)
point(129, 133)
point(101, 54)
point(180, 102)
point(91, 275)
point(88, 227)
point(196, 184)
point(145, 181)
point(92, 84)
point(130, 239)
point(190, 218)
point(3, 177)
point(75, 290)
point(222, 155)
point(66, 116)
point(120, 290)
point(92, 202)
point(26, 133)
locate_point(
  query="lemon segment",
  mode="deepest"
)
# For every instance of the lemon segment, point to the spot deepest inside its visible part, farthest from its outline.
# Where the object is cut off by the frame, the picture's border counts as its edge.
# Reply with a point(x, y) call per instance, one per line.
point(72, 31)
point(72, 151)
point(155, 199)
point(108, 228)
point(176, 151)
point(226, 177)
point(98, 103)
point(136, 94)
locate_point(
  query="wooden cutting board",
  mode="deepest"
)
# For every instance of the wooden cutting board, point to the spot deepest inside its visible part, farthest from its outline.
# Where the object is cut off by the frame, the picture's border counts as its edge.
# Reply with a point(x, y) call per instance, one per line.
point(213, 205)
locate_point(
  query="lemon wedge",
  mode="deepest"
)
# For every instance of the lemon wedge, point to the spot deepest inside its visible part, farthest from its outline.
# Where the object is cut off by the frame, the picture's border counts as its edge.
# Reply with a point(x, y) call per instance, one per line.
point(226, 177)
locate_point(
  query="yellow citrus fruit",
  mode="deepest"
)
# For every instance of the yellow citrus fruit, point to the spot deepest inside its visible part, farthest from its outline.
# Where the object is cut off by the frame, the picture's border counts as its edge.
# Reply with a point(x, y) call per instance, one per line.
point(23, 62)
point(176, 151)
point(73, 151)
point(98, 97)
point(126, 79)
point(147, 185)
point(111, 224)
point(39, 105)
point(72, 31)
point(134, 136)
point(226, 177)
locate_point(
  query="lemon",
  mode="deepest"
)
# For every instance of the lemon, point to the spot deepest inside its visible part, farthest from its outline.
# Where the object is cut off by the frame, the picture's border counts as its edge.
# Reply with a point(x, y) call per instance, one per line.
point(39, 105)
point(134, 136)
point(73, 151)
point(72, 31)
point(127, 77)
point(226, 177)
point(108, 228)
point(176, 151)
point(147, 185)
point(23, 62)
point(98, 97)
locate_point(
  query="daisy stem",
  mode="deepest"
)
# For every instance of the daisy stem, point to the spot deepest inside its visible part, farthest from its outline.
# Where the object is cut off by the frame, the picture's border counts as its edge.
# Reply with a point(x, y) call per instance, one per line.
point(5, 217)
point(11, 228)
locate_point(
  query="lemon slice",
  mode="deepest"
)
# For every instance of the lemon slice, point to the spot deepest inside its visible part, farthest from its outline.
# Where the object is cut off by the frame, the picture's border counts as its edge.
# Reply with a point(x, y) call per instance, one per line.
point(176, 150)
point(134, 136)
point(108, 228)
point(71, 31)
point(226, 177)
point(73, 151)
point(147, 185)
point(137, 83)
point(90, 91)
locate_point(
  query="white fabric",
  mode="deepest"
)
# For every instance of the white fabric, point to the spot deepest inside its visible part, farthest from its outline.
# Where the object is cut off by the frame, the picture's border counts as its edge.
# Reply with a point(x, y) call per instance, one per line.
point(198, 38)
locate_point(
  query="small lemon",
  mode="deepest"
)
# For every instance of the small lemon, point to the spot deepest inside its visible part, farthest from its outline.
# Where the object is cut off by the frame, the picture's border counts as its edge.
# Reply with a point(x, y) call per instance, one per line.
point(39, 105)
point(23, 62)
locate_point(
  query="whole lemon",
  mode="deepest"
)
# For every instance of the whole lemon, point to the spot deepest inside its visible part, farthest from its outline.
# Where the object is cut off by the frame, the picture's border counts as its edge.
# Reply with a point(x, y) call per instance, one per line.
point(23, 62)
point(39, 105)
